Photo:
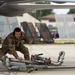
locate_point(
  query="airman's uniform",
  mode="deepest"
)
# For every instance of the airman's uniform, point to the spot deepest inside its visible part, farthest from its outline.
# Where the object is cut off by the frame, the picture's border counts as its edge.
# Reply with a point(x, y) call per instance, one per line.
point(11, 45)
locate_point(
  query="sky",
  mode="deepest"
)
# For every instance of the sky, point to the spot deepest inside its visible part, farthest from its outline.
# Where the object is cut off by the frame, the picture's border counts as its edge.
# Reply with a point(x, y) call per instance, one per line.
point(61, 11)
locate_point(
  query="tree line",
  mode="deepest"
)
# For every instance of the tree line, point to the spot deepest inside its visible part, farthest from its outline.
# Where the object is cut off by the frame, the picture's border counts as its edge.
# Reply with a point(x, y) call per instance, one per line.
point(39, 13)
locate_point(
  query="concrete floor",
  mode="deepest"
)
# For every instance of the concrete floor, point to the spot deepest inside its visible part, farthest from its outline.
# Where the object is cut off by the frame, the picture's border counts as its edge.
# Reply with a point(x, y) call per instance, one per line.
point(52, 51)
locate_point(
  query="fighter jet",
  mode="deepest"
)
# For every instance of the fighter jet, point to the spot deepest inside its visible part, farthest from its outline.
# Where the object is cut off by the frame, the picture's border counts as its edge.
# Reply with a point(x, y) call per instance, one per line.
point(14, 8)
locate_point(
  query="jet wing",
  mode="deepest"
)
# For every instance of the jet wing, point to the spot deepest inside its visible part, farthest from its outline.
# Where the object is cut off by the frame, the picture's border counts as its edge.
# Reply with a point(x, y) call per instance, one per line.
point(29, 1)
point(16, 10)
point(33, 7)
point(3, 2)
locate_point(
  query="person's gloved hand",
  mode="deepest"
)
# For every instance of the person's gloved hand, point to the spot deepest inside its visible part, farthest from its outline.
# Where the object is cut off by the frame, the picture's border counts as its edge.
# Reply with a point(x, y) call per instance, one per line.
point(30, 41)
point(20, 58)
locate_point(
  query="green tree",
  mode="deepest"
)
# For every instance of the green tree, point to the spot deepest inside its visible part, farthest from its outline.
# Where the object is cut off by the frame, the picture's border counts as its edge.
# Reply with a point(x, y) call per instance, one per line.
point(72, 11)
point(39, 13)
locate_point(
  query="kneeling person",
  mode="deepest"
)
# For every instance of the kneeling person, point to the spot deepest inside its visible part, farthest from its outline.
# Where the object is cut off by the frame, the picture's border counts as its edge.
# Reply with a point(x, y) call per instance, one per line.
point(14, 42)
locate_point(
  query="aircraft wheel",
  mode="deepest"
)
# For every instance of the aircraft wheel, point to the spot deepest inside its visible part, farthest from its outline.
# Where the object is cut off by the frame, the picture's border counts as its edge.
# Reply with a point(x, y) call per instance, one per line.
point(36, 69)
point(30, 70)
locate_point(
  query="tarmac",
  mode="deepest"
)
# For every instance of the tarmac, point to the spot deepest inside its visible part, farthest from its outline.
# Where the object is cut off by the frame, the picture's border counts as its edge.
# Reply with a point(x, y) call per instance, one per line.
point(52, 51)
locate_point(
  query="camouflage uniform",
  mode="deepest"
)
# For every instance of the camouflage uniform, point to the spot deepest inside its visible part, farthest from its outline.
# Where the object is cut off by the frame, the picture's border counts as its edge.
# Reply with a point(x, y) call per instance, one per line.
point(11, 45)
